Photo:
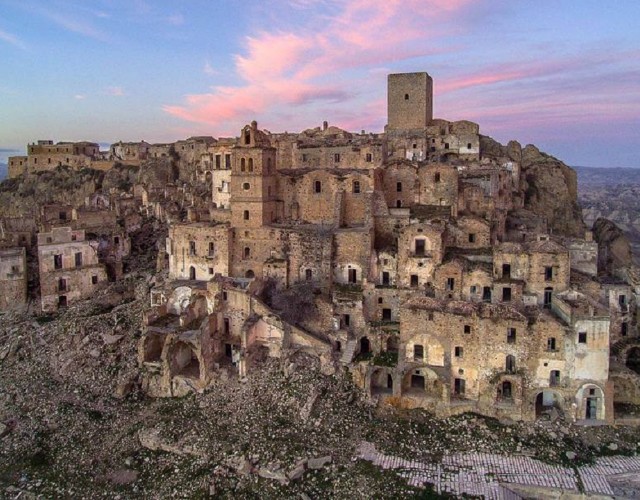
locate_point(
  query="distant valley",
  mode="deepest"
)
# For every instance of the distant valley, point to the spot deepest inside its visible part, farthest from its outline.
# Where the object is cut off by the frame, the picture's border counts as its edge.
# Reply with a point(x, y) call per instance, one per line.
point(613, 193)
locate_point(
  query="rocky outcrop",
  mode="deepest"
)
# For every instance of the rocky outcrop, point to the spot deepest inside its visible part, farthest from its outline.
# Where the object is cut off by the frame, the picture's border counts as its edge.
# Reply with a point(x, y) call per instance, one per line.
point(549, 187)
point(614, 251)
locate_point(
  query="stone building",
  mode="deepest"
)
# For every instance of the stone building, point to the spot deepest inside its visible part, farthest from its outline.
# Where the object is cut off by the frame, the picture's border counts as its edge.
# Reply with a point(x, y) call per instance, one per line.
point(69, 267)
point(13, 278)
point(45, 155)
point(430, 279)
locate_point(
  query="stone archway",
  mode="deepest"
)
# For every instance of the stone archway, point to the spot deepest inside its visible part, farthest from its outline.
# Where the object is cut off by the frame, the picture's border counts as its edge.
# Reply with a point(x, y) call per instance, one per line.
point(422, 382)
point(381, 382)
point(547, 400)
point(590, 403)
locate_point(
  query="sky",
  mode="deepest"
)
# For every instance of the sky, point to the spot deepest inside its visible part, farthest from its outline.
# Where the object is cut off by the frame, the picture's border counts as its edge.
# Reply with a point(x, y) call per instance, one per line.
point(561, 74)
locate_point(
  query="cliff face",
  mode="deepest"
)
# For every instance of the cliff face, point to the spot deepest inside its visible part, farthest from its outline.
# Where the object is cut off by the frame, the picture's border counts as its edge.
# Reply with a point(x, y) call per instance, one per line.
point(549, 187)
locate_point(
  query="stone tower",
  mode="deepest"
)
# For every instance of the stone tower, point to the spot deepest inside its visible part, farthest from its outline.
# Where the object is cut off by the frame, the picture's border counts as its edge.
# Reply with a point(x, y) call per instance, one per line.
point(409, 101)
point(253, 180)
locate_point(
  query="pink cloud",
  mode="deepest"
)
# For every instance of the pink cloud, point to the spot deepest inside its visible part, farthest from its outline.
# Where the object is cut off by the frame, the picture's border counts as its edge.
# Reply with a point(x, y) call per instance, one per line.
point(289, 71)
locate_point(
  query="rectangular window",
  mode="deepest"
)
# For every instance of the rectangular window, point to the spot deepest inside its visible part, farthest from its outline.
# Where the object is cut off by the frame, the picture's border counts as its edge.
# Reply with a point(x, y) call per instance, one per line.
point(554, 378)
point(192, 248)
point(227, 161)
point(94, 280)
point(548, 273)
point(511, 335)
point(386, 314)
point(336, 157)
point(467, 329)
point(399, 187)
point(459, 387)
point(62, 285)
point(57, 261)
point(451, 282)
point(211, 270)
point(418, 352)
point(356, 186)
point(212, 249)
point(414, 280)
point(624, 329)
point(346, 320)
point(218, 162)
point(582, 337)
point(353, 276)
point(420, 245)
point(369, 157)
point(506, 294)
point(506, 271)
point(472, 238)
point(78, 259)
point(459, 351)
point(551, 344)
point(385, 278)
point(473, 289)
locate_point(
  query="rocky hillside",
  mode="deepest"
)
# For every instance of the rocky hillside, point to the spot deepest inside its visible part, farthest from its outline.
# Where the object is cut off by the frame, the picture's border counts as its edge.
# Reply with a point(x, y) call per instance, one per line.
point(549, 186)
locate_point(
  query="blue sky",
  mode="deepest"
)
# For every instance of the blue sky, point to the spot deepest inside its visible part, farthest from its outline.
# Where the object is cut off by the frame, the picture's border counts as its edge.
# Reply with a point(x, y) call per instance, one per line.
point(564, 75)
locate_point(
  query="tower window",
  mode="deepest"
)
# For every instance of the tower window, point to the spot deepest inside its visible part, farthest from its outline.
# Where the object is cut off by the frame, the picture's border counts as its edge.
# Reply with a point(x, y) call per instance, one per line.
point(317, 187)
point(548, 273)
point(399, 187)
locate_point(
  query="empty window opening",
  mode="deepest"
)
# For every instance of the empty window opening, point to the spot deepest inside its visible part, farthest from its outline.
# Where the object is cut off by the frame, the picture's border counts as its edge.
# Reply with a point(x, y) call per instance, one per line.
point(250, 165)
point(63, 215)
point(250, 274)
point(436, 176)
point(385, 278)
point(398, 203)
point(192, 273)
point(57, 261)
point(346, 320)
point(78, 259)
point(511, 335)
point(506, 390)
point(506, 271)
point(227, 326)
point(451, 283)
point(446, 145)
point(308, 274)
point(356, 187)
point(386, 314)
point(468, 145)
point(211, 270)
point(192, 248)
point(406, 97)
point(420, 246)
point(582, 337)
point(510, 364)
point(548, 273)
point(94, 280)
point(624, 329)
point(369, 157)
point(418, 352)
point(317, 187)
point(247, 253)
point(554, 378)
point(506, 294)
point(399, 187)
point(353, 276)
point(472, 238)
point(414, 280)
point(336, 157)
point(62, 301)
point(548, 294)
point(62, 285)
point(227, 161)
point(459, 351)
point(486, 294)
point(218, 162)
point(551, 344)
point(247, 137)
point(243, 164)
point(338, 346)
point(245, 215)
point(467, 329)
point(212, 248)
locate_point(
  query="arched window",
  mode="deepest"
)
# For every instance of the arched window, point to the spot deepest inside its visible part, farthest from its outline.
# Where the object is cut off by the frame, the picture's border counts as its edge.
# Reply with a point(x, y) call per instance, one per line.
point(250, 274)
point(247, 252)
point(308, 274)
point(250, 164)
point(507, 390)
point(317, 187)
point(242, 164)
point(356, 186)
point(192, 273)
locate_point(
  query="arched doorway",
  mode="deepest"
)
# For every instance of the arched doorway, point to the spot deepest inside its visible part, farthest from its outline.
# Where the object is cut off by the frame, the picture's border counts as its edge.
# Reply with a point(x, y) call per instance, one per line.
point(192, 273)
point(633, 359)
point(249, 274)
point(381, 382)
point(546, 401)
point(365, 345)
point(590, 400)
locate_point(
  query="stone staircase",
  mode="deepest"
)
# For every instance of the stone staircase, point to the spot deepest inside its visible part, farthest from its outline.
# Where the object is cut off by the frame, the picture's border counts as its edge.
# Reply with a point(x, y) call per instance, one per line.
point(347, 354)
point(619, 346)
